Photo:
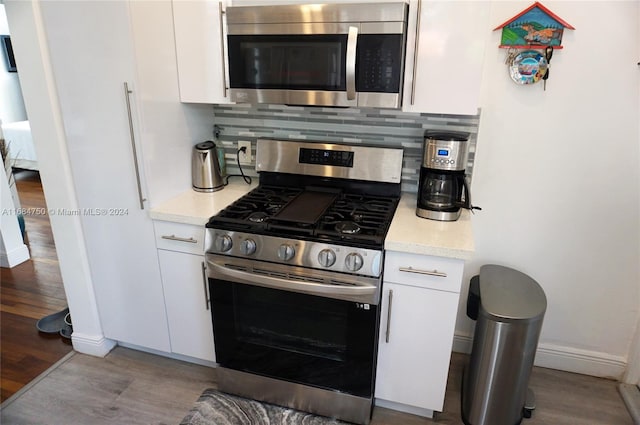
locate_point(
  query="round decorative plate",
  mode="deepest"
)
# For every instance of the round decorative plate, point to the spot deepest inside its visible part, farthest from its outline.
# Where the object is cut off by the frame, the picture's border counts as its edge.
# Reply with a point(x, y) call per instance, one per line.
point(528, 67)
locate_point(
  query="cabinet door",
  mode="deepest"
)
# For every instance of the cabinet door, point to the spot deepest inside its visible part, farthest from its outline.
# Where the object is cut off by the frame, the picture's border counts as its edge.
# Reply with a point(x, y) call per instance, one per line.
point(201, 51)
point(170, 127)
point(448, 62)
point(187, 301)
point(92, 56)
point(413, 364)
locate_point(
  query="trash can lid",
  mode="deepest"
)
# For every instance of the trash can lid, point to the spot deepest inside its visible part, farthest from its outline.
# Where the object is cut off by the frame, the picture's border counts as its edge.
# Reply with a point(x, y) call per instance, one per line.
point(509, 295)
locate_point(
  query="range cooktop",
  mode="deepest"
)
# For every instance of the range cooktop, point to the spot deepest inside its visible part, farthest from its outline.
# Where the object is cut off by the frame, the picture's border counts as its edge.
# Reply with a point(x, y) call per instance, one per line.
point(322, 214)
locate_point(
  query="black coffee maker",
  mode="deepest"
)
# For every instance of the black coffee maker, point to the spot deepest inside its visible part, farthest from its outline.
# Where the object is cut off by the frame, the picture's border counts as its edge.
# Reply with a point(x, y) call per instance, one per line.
point(443, 189)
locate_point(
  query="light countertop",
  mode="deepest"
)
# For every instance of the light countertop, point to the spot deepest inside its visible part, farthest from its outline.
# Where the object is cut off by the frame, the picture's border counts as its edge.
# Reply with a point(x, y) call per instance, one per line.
point(416, 235)
point(407, 233)
point(196, 208)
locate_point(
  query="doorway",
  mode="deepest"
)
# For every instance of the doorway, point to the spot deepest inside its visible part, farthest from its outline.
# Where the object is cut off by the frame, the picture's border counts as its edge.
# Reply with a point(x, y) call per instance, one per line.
point(32, 289)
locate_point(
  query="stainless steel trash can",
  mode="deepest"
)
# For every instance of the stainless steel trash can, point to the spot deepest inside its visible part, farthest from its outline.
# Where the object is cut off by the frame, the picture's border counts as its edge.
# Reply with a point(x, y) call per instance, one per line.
point(508, 307)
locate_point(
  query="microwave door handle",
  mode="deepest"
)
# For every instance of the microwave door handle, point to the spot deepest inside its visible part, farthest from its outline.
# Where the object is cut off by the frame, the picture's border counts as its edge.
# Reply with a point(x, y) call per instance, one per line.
point(350, 65)
point(224, 71)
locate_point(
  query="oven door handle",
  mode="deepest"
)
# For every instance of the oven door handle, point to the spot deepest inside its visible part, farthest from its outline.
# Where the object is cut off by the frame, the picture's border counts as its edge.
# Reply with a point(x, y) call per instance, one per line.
point(312, 288)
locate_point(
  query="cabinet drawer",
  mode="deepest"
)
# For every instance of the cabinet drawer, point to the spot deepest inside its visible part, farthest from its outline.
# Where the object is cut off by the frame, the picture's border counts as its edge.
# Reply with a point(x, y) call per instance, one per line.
point(444, 274)
point(179, 237)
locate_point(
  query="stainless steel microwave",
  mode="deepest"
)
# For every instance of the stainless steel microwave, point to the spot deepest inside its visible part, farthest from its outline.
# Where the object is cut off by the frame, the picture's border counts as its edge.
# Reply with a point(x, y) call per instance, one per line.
point(342, 54)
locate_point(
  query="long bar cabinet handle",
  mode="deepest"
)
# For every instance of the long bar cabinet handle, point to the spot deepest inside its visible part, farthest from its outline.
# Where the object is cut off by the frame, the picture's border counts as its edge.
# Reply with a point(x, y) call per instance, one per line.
point(388, 331)
point(224, 71)
point(179, 239)
point(415, 54)
point(127, 93)
point(205, 281)
point(427, 272)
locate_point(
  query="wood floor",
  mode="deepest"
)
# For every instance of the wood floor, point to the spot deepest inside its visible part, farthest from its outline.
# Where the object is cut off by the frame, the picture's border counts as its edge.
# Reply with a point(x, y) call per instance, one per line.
point(29, 292)
point(132, 387)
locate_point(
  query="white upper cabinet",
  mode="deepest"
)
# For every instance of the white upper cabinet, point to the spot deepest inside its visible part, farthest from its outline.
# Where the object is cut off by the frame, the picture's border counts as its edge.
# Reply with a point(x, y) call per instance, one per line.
point(201, 50)
point(169, 127)
point(443, 74)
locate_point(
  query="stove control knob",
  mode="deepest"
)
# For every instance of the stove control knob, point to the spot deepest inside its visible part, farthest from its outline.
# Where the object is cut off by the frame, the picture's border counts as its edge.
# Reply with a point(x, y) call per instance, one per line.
point(327, 257)
point(248, 247)
point(286, 252)
point(223, 243)
point(354, 262)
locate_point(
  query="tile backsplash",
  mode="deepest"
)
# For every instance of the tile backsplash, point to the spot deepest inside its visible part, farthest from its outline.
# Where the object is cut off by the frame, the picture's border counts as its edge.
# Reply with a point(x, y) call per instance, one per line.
point(375, 127)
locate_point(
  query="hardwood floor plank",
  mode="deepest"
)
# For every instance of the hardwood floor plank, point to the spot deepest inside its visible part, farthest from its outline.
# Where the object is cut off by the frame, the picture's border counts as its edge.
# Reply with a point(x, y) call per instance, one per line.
point(28, 309)
point(28, 292)
point(10, 387)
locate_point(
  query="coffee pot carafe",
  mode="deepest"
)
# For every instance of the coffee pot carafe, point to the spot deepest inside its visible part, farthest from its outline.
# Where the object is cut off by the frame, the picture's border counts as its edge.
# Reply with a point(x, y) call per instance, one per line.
point(442, 188)
point(205, 168)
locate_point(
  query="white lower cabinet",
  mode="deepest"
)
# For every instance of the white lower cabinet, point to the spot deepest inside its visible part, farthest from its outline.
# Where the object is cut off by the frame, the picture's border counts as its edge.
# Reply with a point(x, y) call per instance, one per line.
point(185, 290)
point(416, 331)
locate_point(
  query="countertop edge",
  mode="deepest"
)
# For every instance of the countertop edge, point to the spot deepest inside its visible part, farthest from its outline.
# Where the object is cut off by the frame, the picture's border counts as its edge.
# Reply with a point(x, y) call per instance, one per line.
point(175, 218)
point(423, 249)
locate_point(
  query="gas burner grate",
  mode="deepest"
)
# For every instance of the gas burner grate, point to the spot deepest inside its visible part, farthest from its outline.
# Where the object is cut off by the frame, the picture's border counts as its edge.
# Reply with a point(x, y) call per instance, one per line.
point(253, 210)
point(351, 218)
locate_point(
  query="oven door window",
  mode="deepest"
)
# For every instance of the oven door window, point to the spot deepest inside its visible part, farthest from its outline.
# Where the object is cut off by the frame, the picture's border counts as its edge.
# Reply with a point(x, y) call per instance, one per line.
point(300, 62)
point(306, 339)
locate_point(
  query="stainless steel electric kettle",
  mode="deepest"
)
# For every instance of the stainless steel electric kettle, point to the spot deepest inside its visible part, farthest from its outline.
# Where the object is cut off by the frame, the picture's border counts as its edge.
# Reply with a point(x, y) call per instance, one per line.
point(205, 168)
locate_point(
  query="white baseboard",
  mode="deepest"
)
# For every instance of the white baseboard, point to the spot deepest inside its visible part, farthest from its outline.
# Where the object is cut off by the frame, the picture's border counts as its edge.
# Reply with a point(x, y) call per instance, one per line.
point(564, 358)
point(419, 411)
point(575, 360)
point(14, 257)
point(631, 396)
point(94, 345)
point(462, 343)
point(175, 356)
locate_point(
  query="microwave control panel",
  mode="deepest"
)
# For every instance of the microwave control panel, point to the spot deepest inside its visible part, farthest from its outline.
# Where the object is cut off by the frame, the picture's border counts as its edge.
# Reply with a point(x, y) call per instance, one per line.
point(378, 65)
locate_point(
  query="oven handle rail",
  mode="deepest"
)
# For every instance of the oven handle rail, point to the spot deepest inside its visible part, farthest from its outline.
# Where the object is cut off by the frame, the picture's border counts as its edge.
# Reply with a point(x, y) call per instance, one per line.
point(354, 290)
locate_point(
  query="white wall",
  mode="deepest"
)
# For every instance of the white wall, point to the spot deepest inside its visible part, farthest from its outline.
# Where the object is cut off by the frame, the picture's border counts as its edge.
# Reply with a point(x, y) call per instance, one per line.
point(557, 176)
point(11, 103)
point(41, 99)
point(13, 251)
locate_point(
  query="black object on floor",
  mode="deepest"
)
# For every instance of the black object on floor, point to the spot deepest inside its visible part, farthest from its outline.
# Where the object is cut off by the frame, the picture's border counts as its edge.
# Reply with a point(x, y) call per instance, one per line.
point(53, 323)
point(217, 408)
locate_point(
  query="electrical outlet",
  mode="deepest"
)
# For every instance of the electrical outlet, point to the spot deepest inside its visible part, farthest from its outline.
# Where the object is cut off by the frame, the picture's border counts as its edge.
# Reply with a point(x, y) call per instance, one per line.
point(245, 157)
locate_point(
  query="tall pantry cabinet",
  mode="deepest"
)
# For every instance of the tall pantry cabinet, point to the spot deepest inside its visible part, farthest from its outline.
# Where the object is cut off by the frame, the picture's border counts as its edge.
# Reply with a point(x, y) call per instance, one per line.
point(122, 120)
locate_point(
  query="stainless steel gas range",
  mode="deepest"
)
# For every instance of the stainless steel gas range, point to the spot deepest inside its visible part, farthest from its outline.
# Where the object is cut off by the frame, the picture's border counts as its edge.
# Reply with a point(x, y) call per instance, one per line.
point(295, 272)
